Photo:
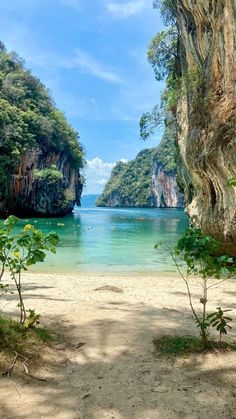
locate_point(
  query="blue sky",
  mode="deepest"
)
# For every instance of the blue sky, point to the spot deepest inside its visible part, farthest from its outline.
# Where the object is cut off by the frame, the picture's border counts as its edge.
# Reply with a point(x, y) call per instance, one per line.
point(91, 54)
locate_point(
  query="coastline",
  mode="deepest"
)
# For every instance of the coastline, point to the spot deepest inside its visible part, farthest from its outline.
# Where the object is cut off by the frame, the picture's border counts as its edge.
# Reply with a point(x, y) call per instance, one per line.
point(104, 365)
point(101, 273)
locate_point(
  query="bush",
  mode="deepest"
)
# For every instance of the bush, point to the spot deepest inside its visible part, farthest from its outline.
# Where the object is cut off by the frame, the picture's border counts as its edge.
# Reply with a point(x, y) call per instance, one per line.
point(18, 251)
point(49, 173)
point(200, 253)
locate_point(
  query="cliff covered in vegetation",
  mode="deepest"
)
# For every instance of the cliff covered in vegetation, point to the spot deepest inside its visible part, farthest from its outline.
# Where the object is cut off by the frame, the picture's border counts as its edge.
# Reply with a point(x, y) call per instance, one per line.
point(147, 181)
point(40, 155)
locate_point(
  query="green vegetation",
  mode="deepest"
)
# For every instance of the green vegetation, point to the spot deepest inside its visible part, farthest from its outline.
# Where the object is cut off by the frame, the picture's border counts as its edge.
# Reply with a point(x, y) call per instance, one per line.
point(50, 173)
point(167, 9)
point(14, 337)
point(163, 56)
point(166, 151)
point(231, 183)
point(178, 345)
point(150, 121)
point(130, 182)
point(29, 119)
point(220, 321)
point(20, 251)
point(200, 254)
point(186, 345)
point(20, 347)
point(162, 53)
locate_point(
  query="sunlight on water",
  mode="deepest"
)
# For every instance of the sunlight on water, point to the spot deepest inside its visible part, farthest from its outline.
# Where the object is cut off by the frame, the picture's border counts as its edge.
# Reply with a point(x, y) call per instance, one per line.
point(112, 240)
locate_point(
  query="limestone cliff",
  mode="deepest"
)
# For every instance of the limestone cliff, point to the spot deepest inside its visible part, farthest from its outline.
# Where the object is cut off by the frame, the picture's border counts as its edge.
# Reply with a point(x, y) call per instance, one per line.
point(207, 114)
point(40, 153)
point(30, 194)
point(165, 192)
point(147, 181)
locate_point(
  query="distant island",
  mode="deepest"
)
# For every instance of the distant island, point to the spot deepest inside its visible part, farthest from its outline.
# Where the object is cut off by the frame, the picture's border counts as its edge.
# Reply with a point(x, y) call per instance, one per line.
point(148, 181)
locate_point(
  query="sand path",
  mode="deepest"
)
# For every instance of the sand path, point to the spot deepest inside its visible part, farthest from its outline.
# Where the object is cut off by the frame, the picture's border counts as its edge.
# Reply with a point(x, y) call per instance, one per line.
point(106, 367)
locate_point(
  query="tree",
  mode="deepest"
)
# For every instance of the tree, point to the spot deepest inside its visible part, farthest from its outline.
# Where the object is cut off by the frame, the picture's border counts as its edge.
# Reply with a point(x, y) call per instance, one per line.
point(200, 254)
point(162, 53)
point(19, 251)
point(167, 9)
point(150, 121)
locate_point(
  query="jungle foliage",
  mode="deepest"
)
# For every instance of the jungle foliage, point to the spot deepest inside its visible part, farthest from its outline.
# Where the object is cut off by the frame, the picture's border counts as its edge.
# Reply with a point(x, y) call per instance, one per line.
point(29, 118)
point(130, 182)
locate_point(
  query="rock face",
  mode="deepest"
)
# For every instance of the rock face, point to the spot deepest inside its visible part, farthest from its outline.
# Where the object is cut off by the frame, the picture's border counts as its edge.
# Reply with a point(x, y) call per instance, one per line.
point(165, 191)
point(207, 116)
point(27, 194)
point(142, 182)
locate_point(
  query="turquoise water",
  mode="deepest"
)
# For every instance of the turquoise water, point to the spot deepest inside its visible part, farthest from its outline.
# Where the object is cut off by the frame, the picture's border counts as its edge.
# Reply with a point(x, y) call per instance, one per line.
point(112, 240)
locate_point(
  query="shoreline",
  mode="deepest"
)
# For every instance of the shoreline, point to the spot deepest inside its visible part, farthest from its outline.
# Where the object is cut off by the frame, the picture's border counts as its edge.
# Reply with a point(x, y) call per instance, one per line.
point(104, 365)
point(113, 273)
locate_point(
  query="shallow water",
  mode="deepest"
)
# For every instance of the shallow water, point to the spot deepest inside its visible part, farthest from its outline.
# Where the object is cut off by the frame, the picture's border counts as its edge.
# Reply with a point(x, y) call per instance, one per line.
point(112, 240)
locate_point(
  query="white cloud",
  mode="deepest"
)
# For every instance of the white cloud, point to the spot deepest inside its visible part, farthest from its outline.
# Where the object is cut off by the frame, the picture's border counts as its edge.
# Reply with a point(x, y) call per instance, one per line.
point(97, 173)
point(79, 60)
point(102, 182)
point(126, 9)
point(84, 61)
point(99, 164)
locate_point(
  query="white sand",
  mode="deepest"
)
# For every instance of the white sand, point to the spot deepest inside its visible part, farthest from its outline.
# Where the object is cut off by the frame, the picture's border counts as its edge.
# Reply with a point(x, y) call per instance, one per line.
point(116, 374)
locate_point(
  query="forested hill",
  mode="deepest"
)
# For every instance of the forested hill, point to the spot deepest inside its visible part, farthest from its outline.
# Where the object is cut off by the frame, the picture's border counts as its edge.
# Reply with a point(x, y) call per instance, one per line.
point(40, 155)
point(147, 181)
point(130, 183)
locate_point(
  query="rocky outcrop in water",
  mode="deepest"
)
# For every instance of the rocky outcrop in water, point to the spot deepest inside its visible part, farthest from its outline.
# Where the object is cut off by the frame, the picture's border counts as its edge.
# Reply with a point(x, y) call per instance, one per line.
point(207, 116)
point(40, 153)
point(147, 181)
point(33, 190)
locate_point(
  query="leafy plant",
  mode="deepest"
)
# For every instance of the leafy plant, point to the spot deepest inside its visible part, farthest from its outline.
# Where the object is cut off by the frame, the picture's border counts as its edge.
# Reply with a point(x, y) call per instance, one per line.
point(32, 320)
point(202, 261)
point(219, 321)
point(18, 251)
point(231, 182)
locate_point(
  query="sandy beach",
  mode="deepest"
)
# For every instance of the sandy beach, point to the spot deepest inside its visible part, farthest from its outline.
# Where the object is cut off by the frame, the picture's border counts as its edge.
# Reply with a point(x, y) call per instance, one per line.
point(104, 364)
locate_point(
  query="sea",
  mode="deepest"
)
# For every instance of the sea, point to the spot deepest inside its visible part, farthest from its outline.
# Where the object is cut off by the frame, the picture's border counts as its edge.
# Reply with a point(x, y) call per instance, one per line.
point(112, 240)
